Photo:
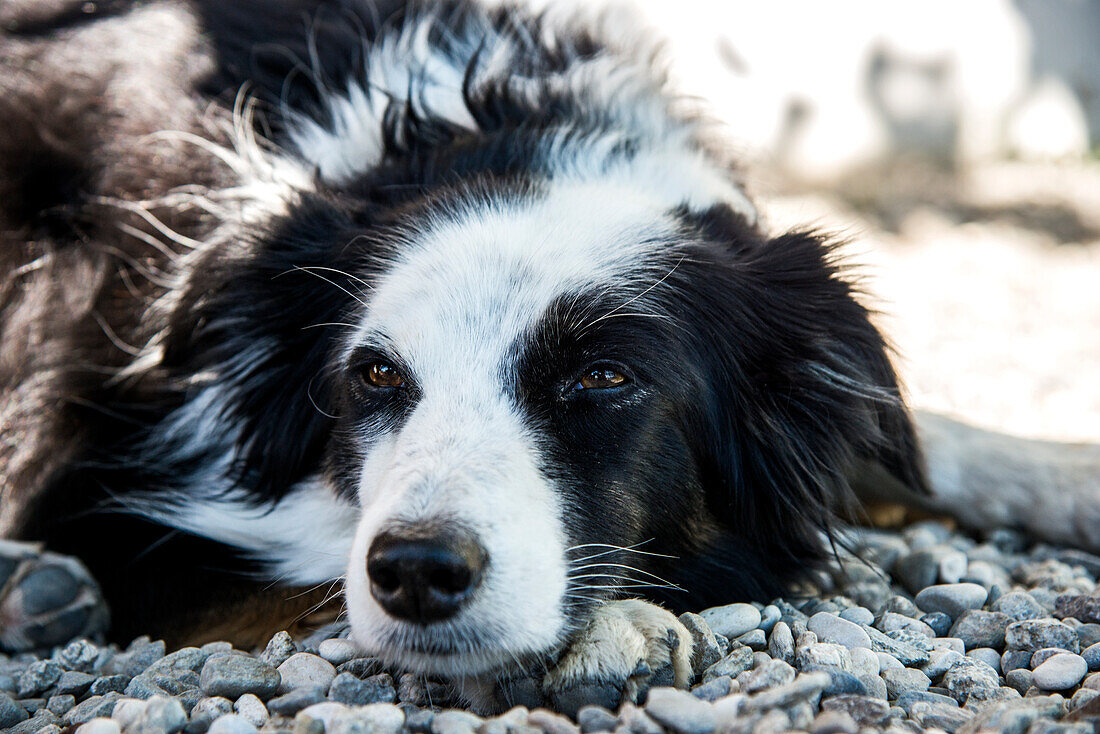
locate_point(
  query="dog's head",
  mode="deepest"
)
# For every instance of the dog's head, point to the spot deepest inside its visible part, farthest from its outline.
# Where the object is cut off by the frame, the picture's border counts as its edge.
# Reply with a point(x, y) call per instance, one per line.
point(541, 395)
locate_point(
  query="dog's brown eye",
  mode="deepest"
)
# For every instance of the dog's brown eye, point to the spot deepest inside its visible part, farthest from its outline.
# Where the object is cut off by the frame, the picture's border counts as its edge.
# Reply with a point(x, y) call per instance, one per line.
point(382, 374)
point(601, 377)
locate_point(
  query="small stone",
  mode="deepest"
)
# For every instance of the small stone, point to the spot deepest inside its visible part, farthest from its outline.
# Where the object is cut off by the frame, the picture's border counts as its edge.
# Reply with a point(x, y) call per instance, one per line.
point(60, 704)
point(1060, 672)
point(1018, 605)
point(280, 647)
point(833, 722)
point(1035, 634)
point(952, 567)
point(108, 683)
point(1083, 607)
point(1020, 679)
point(865, 710)
point(1041, 656)
point(252, 709)
point(99, 726)
point(1082, 697)
point(951, 599)
point(705, 651)
point(892, 621)
point(1013, 659)
point(806, 687)
point(680, 711)
point(337, 650)
point(949, 643)
point(781, 643)
point(176, 664)
point(769, 615)
point(768, 675)
point(141, 653)
point(906, 700)
point(304, 670)
point(939, 716)
point(716, 688)
point(858, 615)
point(453, 721)
point(43, 721)
point(232, 675)
point(910, 649)
point(127, 711)
point(842, 682)
point(361, 667)
point(11, 713)
point(596, 718)
point(830, 628)
point(736, 662)
point(549, 722)
point(887, 662)
point(865, 662)
point(208, 709)
point(160, 714)
point(916, 570)
point(732, 620)
point(348, 689)
point(824, 655)
point(74, 683)
point(941, 661)
point(218, 646)
point(38, 677)
point(979, 628)
point(231, 724)
point(969, 677)
point(939, 622)
point(1091, 654)
point(901, 605)
point(293, 702)
point(987, 655)
point(905, 680)
point(755, 639)
point(91, 708)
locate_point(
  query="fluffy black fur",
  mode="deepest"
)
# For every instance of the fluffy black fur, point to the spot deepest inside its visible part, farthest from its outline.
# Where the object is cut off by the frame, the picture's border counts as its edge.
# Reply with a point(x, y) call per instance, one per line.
point(766, 382)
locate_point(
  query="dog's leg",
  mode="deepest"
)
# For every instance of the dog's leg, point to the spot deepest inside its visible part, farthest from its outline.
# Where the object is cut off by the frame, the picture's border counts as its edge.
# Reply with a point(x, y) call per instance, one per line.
point(986, 480)
point(46, 599)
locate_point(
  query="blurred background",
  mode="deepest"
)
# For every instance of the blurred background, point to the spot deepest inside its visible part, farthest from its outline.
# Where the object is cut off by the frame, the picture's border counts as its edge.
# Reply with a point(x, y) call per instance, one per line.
point(956, 145)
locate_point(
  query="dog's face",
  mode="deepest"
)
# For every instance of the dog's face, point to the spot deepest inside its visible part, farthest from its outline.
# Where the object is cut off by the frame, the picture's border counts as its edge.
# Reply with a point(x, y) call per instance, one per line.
point(544, 396)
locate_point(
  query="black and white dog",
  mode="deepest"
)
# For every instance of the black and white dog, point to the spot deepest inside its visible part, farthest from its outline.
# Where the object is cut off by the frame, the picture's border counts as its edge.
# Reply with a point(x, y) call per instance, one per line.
point(459, 305)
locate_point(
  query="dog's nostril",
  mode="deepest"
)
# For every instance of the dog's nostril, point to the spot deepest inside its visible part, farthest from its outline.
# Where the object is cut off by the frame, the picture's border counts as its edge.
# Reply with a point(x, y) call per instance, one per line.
point(424, 578)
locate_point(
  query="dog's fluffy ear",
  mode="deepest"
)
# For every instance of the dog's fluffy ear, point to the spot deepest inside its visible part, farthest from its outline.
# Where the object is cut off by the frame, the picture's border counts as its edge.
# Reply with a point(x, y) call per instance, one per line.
point(804, 389)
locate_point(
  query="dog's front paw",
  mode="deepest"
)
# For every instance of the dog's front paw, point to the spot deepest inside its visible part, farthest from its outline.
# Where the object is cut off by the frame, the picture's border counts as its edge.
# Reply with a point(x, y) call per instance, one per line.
point(627, 647)
point(46, 599)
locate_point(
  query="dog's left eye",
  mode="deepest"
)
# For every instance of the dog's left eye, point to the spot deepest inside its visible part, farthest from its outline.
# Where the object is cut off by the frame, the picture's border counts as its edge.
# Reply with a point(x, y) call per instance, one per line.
point(601, 377)
point(382, 374)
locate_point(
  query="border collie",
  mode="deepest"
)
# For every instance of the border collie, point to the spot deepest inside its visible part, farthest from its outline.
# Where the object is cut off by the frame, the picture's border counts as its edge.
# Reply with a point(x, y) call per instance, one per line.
point(461, 306)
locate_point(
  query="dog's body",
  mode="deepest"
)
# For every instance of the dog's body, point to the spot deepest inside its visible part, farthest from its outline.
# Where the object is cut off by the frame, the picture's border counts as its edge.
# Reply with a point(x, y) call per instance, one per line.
point(457, 284)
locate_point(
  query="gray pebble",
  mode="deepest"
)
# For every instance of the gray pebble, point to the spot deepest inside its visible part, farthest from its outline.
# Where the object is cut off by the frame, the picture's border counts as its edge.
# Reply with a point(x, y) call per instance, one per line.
point(1060, 672)
point(952, 566)
point(1035, 634)
point(781, 643)
point(906, 700)
point(293, 702)
point(348, 689)
point(208, 709)
point(831, 628)
point(232, 675)
point(38, 677)
point(732, 620)
point(1020, 679)
point(1089, 635)
point(361, 667)
point(1091, 654)
point(280, 647)
point(78, 655)
point(716, 688)
point(951, 599)
point(60, 704)
point(768, 675)
point(887, 662)
point(337, 651)
point(1083, 607)
point(1019, 605)
point(1013, 659)
point(916, 570)
point(99, 726)
point(74, 683)
point(842, 682)
point(824, 655)
point(232, 724)
point(833, 722)
point(90, 708)
point(858, 615)
point(941, 661)
point(1041, 656)
point(939, 623)
point(11, 713)
point(891, 621)
point(979, 628)
point(968, 677)
point(865, 710)
point(680, 711)
point(755, 639)
point(705, 650)
point(108, 683)
point(454, 722)
point(736, 662)
point(910, 650)
point(987, 655)
point(218, 646)
point(939, 716)
point(904, 680)
point(304, 670)
point(769, 615)
point(141, 653)
point(865, 662)
point(37, 723)
point(596, 718)
point(807, 686)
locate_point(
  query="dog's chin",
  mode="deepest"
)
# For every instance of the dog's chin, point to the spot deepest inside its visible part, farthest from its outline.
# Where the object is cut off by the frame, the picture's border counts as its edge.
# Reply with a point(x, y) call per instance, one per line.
point(450, 651)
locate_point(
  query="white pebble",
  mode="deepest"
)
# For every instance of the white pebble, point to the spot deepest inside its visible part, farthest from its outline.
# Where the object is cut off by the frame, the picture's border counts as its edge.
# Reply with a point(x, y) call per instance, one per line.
point(1060, 672)
point(732, 620)
point(831, 628)
point(305, 670)
point(337, 651)
point(252, 709)
point(865, 662)
point(886, 661)
point(99, 726)
point(231, 724)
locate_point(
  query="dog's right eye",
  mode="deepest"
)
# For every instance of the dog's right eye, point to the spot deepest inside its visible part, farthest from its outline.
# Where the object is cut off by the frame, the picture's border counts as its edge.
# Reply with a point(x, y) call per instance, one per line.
point(382, 374)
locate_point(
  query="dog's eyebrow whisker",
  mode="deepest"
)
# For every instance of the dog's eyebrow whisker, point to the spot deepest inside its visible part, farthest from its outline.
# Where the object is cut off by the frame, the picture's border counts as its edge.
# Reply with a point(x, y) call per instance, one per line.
point(331, 282)
point(330, 323)
point(344, 273)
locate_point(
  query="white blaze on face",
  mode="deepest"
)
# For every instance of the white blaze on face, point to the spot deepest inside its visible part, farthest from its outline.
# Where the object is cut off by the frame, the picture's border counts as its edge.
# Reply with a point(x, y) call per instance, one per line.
point(453, 309)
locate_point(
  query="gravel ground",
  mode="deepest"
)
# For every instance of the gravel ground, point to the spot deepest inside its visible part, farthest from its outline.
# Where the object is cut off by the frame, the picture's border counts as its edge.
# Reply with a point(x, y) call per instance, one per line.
point(931, 631)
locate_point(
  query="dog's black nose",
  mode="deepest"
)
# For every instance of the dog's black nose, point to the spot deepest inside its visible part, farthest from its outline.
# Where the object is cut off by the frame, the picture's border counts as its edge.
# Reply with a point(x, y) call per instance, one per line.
point(424, 578)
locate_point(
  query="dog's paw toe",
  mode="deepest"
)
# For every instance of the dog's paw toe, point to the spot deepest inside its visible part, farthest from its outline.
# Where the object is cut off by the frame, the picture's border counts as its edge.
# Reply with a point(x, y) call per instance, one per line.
point(46, 599)
point(627, 648)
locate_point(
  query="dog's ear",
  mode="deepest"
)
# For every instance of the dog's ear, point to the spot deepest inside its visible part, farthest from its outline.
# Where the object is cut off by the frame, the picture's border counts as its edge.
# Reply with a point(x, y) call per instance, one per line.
point(804, 389)
point(264, 324)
